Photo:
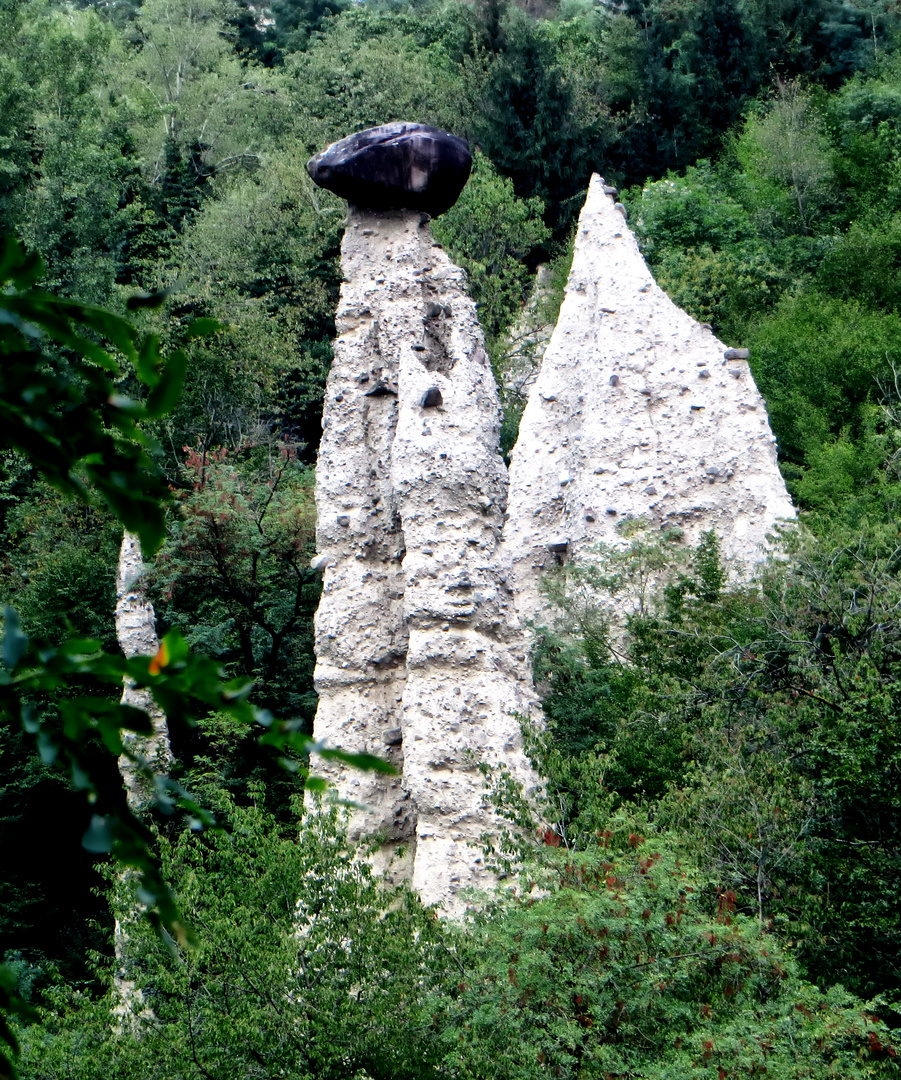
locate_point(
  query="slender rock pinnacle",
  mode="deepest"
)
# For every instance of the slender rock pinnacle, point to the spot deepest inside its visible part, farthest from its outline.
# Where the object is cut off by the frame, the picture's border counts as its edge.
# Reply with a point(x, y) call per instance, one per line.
point(420, 656)
point(136, 631)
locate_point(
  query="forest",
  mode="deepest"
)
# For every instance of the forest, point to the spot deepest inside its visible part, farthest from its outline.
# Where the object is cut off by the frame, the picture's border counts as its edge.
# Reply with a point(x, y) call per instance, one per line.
point(710, 887)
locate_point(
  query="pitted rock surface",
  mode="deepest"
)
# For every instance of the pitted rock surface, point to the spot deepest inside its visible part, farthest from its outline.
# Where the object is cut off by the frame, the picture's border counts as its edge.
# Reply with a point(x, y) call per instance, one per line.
point(395, 166)
point(637, 414)
point(420, 656)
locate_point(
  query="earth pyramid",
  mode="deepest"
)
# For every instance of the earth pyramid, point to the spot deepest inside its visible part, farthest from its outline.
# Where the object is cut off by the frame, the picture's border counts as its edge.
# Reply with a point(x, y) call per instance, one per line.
point(432, 556)
point(420, 655)
point(639, 415)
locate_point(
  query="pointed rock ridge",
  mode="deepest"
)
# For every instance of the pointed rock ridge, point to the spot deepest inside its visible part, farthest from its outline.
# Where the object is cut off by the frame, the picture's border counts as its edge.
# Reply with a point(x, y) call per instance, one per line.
point(395, 166)
point(638, 413)
point(136, 632)
point(420, 657)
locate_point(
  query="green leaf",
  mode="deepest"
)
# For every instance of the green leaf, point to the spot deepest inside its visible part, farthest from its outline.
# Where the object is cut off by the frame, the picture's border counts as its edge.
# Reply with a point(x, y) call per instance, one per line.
point(137, 720)
point(368, 762)
point(176, 647)
point(165, 394)
point(99, 836)
point(202, 328)
point(80, 647)
point(149, 359)
point(21, 268)
point(15, 642)
point(146, 299)
point(114, 328)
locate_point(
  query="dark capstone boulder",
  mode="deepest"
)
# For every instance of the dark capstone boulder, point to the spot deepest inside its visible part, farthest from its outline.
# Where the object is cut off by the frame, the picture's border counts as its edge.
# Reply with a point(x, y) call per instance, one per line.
point(396, 166)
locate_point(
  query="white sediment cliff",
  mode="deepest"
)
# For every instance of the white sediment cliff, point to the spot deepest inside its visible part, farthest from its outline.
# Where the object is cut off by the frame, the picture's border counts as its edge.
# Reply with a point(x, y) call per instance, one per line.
point(638, 414)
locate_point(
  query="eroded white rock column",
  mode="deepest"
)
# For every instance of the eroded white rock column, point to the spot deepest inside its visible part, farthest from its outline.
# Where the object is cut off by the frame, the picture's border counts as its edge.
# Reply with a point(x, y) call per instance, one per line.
point(637, 413)
point(361, 637)
point(420, 656)
point(136, 632)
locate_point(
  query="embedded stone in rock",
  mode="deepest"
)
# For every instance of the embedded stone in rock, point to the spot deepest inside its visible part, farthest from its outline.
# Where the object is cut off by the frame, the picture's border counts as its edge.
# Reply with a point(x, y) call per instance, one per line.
point(397, 166)
point(379, 390)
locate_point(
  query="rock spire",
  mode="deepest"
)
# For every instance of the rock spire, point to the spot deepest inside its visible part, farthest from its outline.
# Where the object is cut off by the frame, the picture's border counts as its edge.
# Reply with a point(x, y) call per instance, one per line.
point(637, 414)
point(136, 632)
point(420, 656)
point(430, 564)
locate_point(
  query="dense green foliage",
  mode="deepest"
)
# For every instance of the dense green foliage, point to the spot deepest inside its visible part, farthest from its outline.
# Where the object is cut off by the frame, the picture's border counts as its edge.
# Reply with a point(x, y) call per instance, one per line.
point(760, 723)
point(610, 962)
point(64, 416)
point(719, 866)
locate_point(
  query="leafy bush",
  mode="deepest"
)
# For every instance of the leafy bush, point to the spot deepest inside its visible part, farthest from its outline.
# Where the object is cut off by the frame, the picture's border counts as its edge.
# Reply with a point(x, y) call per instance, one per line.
point(608, 960)
point(234, 574)
point(758, 723)
point(691, 211)
point(609, 963)
point(304, 967)
point(819, 362)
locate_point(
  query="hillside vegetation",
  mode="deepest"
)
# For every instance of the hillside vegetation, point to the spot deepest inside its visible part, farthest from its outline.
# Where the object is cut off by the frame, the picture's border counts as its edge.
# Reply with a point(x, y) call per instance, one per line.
point(711, 887)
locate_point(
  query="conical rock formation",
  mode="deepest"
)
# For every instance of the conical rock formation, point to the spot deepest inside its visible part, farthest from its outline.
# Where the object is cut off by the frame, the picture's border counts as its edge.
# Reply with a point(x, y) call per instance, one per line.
point(638, 414)
point(420, 656)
